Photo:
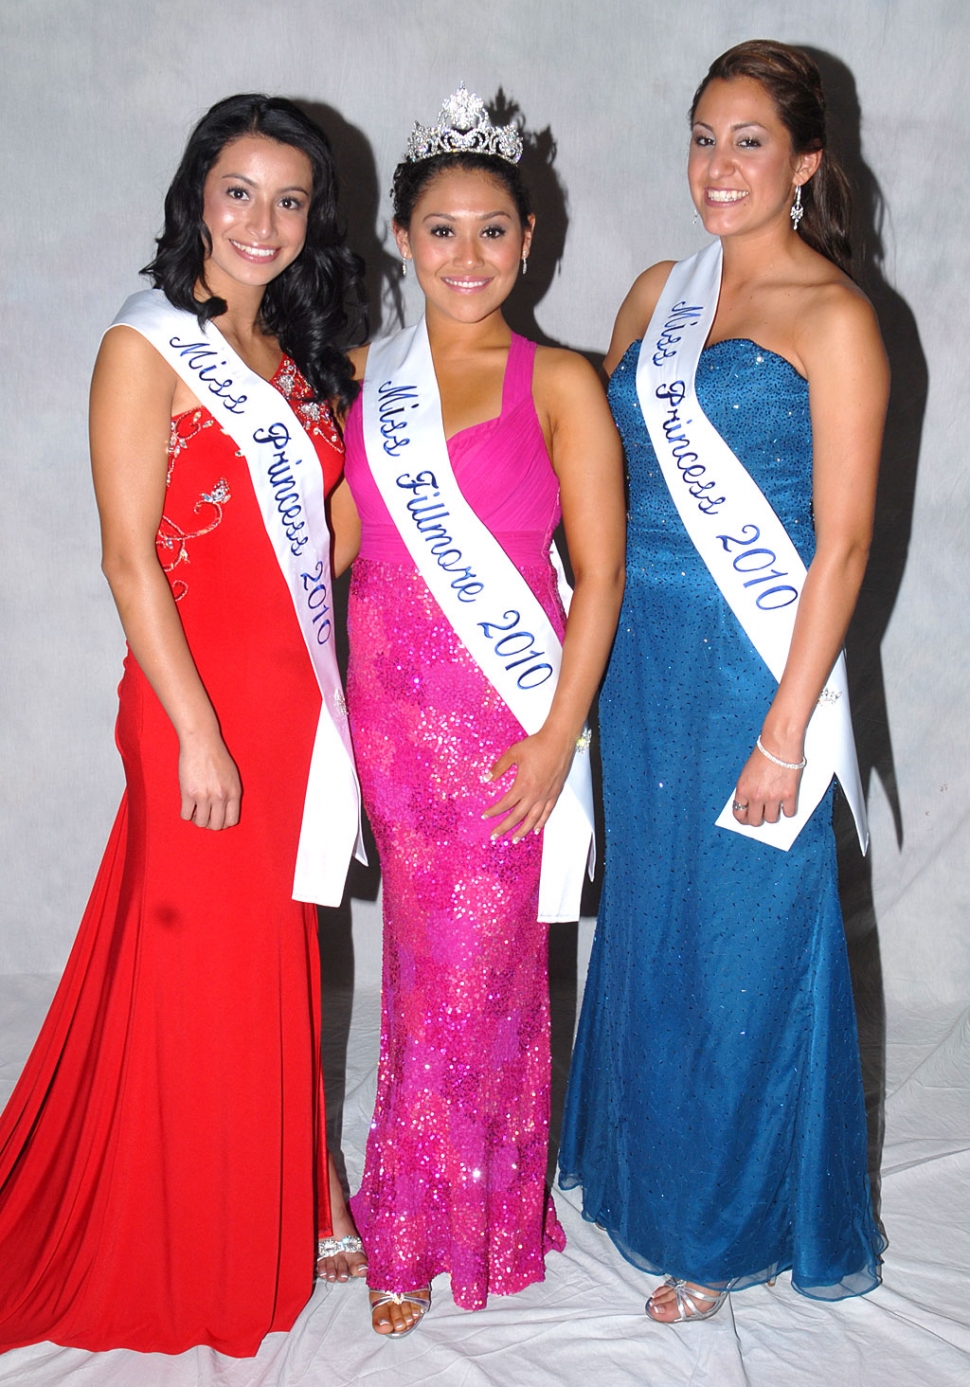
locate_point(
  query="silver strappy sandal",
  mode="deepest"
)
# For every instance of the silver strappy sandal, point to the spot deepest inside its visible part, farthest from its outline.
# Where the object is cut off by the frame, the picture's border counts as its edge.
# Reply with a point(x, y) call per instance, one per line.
point(421, 1300)
point(332, 1247)
point(692, 1304)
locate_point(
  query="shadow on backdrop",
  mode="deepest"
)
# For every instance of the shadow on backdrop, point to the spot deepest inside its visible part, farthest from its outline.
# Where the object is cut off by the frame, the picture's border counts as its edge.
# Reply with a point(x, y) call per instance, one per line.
point(887, 561)
point(550, 204)
point(365, 211)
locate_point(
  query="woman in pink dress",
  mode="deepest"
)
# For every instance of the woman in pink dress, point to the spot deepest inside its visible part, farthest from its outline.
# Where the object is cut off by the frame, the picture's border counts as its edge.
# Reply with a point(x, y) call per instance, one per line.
point(457, 794)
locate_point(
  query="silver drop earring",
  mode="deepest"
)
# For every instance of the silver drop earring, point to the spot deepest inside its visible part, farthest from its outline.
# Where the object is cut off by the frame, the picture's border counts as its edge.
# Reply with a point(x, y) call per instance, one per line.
point(525, 262)
point(797, 210)
point(404, 267)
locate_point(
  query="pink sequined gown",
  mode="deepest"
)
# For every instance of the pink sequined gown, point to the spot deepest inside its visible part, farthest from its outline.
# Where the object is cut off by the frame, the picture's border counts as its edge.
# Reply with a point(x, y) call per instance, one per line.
point(454, 1178)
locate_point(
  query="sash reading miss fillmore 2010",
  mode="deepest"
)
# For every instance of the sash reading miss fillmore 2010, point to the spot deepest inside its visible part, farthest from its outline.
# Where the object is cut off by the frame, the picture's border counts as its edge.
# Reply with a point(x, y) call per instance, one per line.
point(290, 496)
point(735, 531)
point(486, 600)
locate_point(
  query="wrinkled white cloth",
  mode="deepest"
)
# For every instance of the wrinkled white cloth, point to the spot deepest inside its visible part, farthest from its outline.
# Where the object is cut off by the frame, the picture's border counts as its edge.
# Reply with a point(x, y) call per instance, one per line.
point(586, 1322)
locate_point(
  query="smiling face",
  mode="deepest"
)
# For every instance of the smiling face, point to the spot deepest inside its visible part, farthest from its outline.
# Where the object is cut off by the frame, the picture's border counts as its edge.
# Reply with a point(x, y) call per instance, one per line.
point(255, 205)
point(741, 168)
point(466, 240)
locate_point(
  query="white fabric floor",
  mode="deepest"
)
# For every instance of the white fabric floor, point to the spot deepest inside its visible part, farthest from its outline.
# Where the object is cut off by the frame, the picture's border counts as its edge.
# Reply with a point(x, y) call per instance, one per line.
point(585, 1324)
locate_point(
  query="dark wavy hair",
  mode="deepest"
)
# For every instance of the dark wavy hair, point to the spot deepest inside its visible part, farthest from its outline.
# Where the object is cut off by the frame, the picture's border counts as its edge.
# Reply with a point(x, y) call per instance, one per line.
point(315, 306)
point(410, 180)
point(794, 84)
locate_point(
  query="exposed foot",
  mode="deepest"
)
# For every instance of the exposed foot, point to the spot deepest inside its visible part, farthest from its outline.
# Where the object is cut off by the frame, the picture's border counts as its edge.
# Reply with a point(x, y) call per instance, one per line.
point(396, 1315)
point(678, 1302)
point(343, 1255)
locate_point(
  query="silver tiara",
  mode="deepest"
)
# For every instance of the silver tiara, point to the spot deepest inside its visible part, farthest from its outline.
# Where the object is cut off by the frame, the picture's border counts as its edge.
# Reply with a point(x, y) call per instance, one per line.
point(464, 128)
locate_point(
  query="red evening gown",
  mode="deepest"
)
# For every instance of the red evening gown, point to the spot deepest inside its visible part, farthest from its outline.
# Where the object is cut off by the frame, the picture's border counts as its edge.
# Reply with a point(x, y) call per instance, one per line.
point(162, 1159)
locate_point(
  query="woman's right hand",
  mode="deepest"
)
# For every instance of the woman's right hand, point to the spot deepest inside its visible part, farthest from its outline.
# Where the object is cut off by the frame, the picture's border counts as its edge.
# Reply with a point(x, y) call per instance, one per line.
point(209, 783)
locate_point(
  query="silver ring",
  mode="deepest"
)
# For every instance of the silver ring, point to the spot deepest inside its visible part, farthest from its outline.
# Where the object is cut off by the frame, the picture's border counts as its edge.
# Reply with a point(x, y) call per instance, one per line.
point(735, 806)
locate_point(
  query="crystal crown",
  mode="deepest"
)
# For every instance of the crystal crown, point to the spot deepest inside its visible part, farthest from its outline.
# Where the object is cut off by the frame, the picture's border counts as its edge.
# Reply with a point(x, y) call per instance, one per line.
point(464, 128)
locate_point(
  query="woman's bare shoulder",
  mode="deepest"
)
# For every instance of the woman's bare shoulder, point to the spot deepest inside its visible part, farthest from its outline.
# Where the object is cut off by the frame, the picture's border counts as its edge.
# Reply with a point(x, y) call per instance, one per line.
point(124, 346)
point(130, 373)
point(562, 362)
point(563, 378)
point(836, 318)
point(646, 289)
point(636, 310)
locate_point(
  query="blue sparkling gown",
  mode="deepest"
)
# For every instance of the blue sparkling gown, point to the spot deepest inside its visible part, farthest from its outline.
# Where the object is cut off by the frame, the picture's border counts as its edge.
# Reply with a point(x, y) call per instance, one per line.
point(715, 1114)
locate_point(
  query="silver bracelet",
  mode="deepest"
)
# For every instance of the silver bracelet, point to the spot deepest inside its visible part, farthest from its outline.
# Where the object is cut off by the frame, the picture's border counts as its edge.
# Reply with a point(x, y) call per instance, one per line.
point(786, 765)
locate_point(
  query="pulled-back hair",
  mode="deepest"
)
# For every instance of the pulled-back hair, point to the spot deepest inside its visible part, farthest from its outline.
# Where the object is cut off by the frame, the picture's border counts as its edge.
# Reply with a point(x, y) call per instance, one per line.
point(314, 307)
point(411, 179)
point(793, 82)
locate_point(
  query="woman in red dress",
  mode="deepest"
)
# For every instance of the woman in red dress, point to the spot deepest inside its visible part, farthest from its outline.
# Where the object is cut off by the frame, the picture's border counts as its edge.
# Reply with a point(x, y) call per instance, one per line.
point(163, 1167)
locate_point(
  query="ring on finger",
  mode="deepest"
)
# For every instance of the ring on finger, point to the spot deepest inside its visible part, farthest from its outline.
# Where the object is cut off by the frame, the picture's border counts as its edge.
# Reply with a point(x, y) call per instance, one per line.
point(736, 806)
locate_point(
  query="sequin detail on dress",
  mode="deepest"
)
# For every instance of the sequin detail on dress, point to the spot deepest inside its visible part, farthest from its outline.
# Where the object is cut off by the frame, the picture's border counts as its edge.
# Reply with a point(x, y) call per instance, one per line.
point(455, 1171)
point(314, 415)
point(714, 1116)
point(172, 541)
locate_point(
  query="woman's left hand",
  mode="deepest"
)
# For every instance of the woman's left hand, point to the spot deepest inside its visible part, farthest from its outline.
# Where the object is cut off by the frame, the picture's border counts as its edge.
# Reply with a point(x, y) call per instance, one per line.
point(765, 791)
point(837, 342)
point(542, 763)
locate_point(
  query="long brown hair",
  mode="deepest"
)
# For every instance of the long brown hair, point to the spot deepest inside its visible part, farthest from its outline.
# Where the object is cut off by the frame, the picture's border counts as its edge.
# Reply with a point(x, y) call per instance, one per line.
point(793, 82)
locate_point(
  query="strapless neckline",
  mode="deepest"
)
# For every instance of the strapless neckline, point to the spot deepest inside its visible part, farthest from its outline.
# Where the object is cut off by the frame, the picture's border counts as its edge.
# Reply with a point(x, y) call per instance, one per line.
point(749, 341)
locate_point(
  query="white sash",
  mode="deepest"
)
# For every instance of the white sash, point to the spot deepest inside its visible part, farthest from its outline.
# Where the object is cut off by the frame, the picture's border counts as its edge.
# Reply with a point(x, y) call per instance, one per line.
point(486, 600)
point(273, 441)
point(735, 531)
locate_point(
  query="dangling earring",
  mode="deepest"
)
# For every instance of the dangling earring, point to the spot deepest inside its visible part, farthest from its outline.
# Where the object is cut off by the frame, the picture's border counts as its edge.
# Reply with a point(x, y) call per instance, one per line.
point(525, 262)
point(694, 222)
point(404, 267)
point(797, 210)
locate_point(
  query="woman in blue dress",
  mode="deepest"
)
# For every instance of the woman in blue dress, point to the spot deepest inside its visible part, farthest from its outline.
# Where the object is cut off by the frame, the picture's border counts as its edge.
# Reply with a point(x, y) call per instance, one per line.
point(715, 1114)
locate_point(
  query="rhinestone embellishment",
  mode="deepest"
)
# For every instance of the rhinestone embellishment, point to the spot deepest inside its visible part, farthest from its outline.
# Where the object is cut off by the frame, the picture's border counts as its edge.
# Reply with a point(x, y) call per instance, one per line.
point(464, 127)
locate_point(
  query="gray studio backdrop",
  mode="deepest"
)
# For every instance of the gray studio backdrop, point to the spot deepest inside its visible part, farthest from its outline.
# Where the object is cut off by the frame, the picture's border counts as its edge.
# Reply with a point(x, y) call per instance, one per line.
point(97, 101)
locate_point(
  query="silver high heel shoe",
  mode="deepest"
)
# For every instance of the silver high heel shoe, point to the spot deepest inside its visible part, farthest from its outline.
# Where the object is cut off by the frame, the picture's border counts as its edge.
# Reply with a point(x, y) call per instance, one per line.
point(332, 1247)
point(420, 1300)
point(692, 1304)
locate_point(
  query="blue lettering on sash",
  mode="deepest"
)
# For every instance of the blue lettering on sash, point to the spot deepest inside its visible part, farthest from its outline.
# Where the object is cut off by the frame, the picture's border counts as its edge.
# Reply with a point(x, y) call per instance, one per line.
point(286, 494)
point(754, 565)
point(198, 357)
point(688, 464)
point(520, 645)
point(691, 470)
point(515, 648)
point(682, 316)
point(427, 513)
point(317, 600)
point(393, 401)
